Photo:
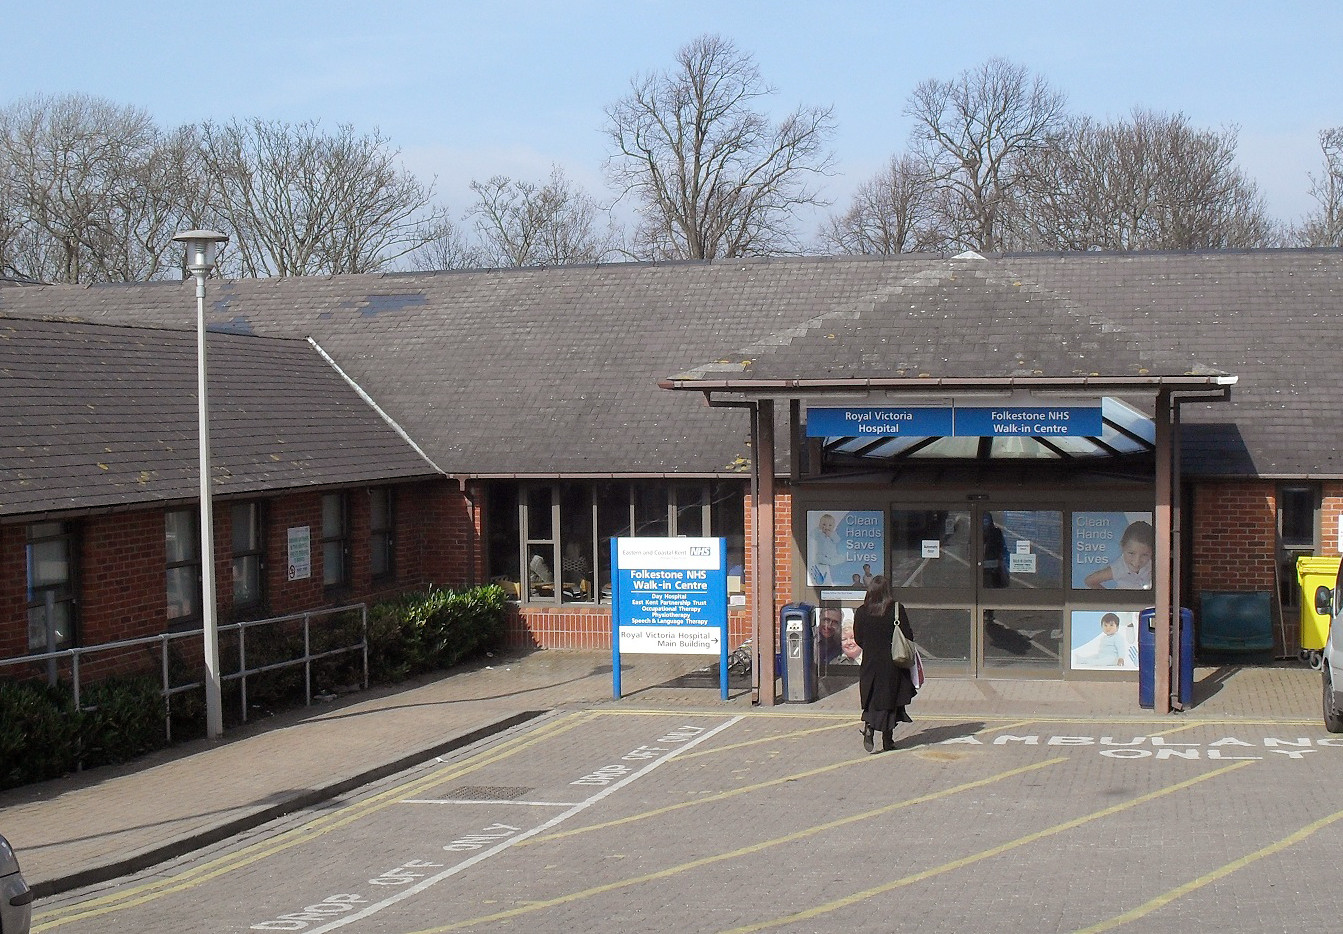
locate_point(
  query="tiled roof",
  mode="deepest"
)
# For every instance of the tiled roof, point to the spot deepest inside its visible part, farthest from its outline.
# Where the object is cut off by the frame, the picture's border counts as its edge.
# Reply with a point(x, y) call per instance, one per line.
point(96, 416)
point(554, 372)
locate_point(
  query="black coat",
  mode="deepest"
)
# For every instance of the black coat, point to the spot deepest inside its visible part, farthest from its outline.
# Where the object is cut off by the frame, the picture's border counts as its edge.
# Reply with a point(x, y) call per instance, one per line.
point(882, 685)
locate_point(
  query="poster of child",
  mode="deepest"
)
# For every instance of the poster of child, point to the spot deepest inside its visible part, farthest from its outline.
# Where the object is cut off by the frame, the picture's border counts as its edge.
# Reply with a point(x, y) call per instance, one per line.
point(845, 548)
point(1105, 640)
point(1113, 550)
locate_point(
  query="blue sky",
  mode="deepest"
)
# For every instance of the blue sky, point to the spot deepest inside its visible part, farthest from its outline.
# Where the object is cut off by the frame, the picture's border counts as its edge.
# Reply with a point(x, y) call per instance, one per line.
point(470, 89)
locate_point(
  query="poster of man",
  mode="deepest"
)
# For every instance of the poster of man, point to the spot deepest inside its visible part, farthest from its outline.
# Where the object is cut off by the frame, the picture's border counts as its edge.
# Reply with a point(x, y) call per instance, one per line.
point(1105, 640)
point(1113, 550)
point(845, 548)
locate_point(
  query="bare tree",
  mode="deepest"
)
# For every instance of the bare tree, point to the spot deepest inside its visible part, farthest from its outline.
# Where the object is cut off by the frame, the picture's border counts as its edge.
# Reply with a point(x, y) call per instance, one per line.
point(893, 212)
point(302, 201)
point(89, 191)
point(447, 248)
point(525, 224)
point(1324, 225)
point(975, 133)
point(1151, 182)
point(713, 176)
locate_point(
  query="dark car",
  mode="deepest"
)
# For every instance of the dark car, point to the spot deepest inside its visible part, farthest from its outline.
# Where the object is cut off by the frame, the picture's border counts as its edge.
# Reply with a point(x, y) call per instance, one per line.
point(16, 899)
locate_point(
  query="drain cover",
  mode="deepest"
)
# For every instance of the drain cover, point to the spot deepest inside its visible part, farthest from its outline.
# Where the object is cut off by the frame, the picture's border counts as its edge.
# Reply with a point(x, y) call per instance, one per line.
point(486, 793)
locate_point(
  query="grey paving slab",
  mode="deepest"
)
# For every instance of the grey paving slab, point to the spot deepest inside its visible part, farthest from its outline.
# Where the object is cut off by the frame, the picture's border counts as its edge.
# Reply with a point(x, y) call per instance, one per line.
point(98, 825)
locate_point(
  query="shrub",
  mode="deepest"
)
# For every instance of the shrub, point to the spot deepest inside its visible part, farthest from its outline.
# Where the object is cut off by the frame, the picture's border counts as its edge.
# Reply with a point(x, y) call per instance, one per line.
point(434, 629)
point(43, 736)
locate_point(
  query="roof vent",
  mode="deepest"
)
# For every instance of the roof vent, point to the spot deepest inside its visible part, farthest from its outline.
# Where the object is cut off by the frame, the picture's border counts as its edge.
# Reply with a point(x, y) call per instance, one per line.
point(968, 254)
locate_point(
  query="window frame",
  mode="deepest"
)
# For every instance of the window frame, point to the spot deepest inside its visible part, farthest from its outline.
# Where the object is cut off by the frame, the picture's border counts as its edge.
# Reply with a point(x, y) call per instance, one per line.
point(339, 537)
point(382, 536)
point(1288, 550)
point(665, 506)
point(255, 553)
point(192, 560)
point(63, 593)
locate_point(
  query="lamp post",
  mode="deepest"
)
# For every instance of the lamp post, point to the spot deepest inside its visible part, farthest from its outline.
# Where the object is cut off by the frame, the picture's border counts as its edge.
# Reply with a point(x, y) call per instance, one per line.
point(201, 246)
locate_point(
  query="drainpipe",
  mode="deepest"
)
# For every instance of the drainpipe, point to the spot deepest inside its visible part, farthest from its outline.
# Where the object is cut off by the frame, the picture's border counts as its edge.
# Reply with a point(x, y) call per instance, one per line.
point(472, 509)
point(1176, 618)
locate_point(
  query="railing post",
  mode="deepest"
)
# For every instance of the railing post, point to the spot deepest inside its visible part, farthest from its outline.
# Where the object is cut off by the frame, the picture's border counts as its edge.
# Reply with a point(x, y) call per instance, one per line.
point(307, 663)
point(363, 615)
point(167, 698)
point(242, 668)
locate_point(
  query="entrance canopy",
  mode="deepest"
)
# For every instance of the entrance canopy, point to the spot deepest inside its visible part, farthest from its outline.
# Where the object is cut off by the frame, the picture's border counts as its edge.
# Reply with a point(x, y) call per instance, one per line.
point(969, 336)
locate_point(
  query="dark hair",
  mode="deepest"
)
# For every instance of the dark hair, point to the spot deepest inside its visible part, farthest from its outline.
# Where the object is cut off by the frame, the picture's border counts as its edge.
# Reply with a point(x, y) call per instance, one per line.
point(878, 598)
point(1140, 532)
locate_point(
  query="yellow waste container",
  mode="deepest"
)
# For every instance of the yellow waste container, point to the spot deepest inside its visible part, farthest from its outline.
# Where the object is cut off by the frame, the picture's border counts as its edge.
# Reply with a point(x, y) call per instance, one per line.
point(1311, 573)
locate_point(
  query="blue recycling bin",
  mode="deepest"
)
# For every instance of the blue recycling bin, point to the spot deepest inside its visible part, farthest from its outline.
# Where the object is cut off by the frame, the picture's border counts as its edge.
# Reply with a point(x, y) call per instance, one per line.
point(797, 645)
point(1147, 657)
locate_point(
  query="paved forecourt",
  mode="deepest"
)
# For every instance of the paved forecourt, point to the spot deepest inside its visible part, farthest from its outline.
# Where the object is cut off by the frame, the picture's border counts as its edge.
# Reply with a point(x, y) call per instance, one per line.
point(701, 819)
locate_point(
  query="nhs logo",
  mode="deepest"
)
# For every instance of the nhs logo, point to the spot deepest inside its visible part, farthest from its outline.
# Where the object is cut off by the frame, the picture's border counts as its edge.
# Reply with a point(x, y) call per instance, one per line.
point(700, 551)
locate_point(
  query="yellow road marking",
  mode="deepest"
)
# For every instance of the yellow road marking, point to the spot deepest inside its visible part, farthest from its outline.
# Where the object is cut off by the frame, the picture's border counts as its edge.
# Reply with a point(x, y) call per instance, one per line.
point(541, 904)
point(149, 891)
point(857, 897)
point(745, 789)
point(774, 737)
point(1161, 901)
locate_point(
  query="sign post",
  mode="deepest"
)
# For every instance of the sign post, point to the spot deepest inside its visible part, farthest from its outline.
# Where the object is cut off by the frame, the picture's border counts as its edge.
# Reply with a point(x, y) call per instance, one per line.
point(669, 597)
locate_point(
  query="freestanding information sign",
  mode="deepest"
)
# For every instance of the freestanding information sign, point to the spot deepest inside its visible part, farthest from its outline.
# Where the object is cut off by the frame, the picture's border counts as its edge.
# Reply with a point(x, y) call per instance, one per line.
point(669, 597)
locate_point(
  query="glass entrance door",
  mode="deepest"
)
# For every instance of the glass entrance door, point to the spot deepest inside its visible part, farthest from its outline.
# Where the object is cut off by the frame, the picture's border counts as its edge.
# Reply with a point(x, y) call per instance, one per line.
point(984, 586)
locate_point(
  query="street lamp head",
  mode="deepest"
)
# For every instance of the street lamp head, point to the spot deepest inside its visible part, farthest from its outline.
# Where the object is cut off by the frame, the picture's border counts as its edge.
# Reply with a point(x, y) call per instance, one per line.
point(202, 246)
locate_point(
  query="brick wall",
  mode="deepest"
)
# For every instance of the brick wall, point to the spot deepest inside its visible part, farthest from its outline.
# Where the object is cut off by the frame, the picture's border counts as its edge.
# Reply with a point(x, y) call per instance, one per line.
point(122, 581)
point(1235, 543)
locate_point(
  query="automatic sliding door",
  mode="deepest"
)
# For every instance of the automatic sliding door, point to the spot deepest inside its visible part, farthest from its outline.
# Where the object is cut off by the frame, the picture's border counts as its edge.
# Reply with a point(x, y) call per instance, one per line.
point(1021, 589)
point(933, 570)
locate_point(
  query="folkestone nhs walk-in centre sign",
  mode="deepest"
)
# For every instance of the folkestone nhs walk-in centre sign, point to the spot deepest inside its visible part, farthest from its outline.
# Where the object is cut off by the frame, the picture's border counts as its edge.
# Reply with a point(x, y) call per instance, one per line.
point(669, 597)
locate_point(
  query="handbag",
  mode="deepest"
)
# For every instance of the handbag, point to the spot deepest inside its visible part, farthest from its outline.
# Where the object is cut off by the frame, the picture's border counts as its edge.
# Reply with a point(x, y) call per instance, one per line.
point(902, 649)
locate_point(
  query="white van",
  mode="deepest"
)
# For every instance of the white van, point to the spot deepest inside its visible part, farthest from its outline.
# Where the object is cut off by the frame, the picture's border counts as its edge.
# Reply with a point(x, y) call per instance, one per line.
point(1330, 603)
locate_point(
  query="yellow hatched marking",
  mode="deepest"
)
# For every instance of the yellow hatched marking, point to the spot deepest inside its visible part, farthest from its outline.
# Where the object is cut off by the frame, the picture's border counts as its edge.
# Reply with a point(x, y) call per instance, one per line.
point(1038, 835)
point(745, 789)
point(197, 875)
point(1161, 901)
point(803, 834)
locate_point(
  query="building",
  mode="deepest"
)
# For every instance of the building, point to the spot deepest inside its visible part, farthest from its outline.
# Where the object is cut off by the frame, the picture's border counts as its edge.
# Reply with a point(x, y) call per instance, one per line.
point(523, 418)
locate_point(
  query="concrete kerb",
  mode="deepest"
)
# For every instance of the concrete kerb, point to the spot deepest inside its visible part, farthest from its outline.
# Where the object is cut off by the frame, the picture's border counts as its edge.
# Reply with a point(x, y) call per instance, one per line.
point(188, 843)
point(561, 680)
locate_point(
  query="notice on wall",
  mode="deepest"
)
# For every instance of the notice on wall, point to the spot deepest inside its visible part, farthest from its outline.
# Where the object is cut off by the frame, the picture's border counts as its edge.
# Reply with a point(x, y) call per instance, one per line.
point(300, 553)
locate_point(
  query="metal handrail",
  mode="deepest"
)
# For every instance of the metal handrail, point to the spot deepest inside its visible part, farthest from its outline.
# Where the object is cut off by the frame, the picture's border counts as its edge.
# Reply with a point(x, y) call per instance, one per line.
point(163, 640)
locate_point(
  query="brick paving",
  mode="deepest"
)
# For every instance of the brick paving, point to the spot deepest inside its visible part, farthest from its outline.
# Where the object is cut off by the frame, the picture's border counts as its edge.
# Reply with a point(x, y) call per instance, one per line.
point(101, 824)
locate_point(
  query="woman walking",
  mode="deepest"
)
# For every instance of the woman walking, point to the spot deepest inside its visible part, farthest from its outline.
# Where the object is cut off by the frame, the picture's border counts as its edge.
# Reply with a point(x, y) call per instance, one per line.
point(883, 688)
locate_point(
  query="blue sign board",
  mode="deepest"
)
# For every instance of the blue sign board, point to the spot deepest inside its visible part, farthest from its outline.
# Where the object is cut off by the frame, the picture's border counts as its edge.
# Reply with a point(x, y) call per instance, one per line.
point(1035, 420)
point(669, 597)
point(958, 421)
point(920, 422)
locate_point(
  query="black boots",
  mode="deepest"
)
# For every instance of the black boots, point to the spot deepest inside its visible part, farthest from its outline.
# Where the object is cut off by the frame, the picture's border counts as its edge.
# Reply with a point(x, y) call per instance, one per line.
point(867, 738)
point(887, 741)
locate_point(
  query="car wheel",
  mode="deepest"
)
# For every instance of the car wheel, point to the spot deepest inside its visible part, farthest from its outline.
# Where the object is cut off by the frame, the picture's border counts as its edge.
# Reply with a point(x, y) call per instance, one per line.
point(1333, 717)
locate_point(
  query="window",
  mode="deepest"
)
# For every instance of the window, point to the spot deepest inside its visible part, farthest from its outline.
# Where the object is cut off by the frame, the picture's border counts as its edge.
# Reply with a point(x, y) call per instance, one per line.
point(381, 546)
point(182, 542)
point(558, 534)
point(1298, 529)
point(248, 545)
point(335, 541)
point(51, 586)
